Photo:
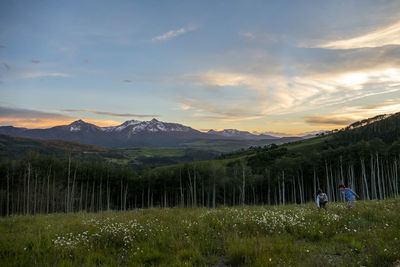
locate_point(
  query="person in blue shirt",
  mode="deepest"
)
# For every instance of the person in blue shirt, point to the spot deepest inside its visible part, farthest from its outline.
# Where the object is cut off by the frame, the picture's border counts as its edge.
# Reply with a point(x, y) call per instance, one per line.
point(349, 195)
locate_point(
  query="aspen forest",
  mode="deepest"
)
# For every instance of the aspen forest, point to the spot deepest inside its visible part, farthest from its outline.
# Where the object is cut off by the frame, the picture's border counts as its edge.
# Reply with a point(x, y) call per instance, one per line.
point(273, 175)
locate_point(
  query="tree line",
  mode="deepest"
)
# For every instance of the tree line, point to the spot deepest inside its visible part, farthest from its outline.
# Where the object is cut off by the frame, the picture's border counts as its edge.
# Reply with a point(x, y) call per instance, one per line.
point(275, 175)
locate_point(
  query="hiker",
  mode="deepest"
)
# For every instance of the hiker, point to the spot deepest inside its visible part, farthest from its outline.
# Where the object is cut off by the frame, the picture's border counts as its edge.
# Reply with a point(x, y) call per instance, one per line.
point(322, 199)
point(349, 194)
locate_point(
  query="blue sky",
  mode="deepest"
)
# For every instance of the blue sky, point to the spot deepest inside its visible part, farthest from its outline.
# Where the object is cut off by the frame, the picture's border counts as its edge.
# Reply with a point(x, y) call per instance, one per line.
point(265, 66)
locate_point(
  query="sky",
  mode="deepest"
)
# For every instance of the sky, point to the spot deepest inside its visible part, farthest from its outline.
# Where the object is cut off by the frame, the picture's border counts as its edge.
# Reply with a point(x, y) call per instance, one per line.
point(262, 66)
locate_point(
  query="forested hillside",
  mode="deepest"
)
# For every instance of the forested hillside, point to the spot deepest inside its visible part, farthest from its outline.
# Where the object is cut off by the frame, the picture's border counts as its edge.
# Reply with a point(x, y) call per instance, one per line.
point(13, 148)
point(364, 155)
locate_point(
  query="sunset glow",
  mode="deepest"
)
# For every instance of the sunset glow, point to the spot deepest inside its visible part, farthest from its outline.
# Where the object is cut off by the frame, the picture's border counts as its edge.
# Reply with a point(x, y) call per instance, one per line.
point(273, 67)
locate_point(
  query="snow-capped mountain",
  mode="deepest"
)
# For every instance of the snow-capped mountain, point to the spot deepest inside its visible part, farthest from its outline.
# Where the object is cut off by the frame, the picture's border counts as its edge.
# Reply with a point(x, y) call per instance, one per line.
point(233, 133)
point(81, 126)
point(131, 133)
point(134, 127)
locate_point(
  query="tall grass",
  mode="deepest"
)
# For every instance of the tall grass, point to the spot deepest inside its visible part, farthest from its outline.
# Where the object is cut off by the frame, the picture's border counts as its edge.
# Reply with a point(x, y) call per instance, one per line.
point(295, 235)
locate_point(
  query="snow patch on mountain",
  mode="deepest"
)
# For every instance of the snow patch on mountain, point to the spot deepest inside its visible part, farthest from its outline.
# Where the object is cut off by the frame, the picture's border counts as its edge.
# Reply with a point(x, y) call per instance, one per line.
point(134, 127)
point(75, 128)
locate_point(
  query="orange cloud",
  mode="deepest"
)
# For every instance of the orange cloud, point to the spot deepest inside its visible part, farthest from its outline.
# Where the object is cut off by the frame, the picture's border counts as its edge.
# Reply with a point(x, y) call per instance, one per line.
point(38, 119)
point(47, 123)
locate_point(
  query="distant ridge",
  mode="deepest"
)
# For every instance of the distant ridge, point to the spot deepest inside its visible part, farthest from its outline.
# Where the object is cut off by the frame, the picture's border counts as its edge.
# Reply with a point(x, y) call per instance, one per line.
point(133, 133)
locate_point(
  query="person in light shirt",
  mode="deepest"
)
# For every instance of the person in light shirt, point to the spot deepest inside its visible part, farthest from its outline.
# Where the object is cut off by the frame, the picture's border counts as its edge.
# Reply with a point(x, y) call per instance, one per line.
point(321, 199)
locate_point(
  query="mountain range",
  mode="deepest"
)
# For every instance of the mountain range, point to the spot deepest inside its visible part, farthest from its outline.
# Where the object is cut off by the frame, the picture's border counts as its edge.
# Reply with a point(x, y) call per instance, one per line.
point(136, 133)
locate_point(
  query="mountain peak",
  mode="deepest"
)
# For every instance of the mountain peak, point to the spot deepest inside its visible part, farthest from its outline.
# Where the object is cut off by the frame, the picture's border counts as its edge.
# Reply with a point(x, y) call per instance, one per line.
point(154, 120)
point(130, 122)
point(77, 122)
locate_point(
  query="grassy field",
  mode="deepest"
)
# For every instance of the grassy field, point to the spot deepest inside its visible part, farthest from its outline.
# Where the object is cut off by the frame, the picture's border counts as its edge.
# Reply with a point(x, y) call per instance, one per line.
point(301, 235)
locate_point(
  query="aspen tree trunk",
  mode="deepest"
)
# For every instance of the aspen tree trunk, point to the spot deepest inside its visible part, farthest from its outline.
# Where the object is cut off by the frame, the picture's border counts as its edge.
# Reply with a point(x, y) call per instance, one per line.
point(126, 194)
point(283, 187)
point(341, 170)
point(190, 188)
point(353, 179)
point(135, 200)
point(383, 179)
point(333, 188)
point(148, 196)
point(396, 180)
point(279, 190)
point(86, 195)
point(233, 196)
point(35, 194)
point(122, 188)
point(214, 189)
point(300, 188)
point(92, 202)
point(8, 193)
point(53, 206)
point(390, 179)
point(24, 195)
point(181, 189)
point(194, 186)
point(378, 176)
point(294, 190)
point(28, 195)
point(72, 196)
point(142, 203)
point(48, 191)
point(269, 192)
point(243, 185)
point(69, 173)
point(328, 189)
point(165, 197)
point(373, 182)
point(80, 198)
point(364, 175)
point(202, 191)
point(99, 198)
point(108, 194)
point(224, 195)
point(254, 194)
point(315, 181)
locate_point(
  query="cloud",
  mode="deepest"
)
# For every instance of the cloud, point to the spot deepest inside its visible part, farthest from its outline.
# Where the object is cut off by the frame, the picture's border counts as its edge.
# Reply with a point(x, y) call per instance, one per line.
point(112, 114)
point(389, 35)
point(229, 110)
point(172, 34)
point(6, 65)
point(34, 61)
point(29, 118)
point(215, 79)
point(248, 35)
point(184, 107)
point(226, 118)
point(235, 96)
point(330, 120)
point(39, 74)
point(347, 115)
point(8, 112)
point(127, 81)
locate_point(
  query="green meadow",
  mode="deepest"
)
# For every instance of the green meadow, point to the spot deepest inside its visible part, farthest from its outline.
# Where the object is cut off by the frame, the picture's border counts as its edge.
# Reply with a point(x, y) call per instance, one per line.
point(292, 235)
